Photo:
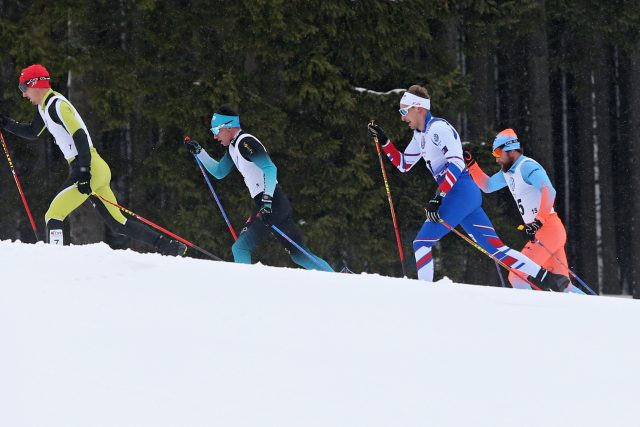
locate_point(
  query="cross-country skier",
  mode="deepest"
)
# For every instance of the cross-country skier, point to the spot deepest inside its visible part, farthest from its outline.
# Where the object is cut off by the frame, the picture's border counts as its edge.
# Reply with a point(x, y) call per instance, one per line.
point(534, 194)
point(88, 172)
point(247, 154)
point(457, 199)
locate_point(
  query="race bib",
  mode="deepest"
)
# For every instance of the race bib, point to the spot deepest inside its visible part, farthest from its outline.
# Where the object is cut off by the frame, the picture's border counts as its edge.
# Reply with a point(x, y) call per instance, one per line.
point(56, 237)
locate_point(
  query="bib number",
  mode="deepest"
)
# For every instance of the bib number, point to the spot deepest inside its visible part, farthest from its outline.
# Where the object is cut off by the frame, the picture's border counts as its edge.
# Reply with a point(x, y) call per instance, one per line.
point(56, 237)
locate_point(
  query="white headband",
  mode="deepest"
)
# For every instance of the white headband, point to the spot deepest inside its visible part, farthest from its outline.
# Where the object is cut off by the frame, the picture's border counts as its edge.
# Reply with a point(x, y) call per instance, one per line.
point(411, 99)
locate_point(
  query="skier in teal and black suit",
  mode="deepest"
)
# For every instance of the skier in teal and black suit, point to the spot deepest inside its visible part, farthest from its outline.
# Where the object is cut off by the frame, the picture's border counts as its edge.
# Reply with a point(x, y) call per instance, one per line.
point(248, 155)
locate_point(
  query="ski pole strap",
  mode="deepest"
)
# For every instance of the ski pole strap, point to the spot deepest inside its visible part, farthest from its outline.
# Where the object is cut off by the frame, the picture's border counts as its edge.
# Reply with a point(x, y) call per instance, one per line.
point(481, 249)
point(300, 248)
point(157, 227)
point(215, 196)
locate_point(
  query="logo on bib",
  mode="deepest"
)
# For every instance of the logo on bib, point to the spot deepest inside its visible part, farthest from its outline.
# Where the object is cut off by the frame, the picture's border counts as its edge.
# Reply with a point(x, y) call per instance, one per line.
point(512, 184)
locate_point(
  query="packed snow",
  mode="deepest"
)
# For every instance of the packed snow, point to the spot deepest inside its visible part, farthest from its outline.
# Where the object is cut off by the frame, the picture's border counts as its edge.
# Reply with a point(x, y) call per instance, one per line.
point(92, 337)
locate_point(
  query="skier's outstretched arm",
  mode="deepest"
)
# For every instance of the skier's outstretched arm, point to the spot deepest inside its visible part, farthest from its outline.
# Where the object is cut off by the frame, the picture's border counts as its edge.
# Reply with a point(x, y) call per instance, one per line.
point(486, 183)
point(406, 160)
point(29, 131)
point(219, 169)
point(403, 161)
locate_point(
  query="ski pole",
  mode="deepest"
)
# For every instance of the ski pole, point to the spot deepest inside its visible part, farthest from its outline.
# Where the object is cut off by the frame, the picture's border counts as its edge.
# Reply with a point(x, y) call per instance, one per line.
point(484, 251)
point(500, 275)
point(215, 196)
point(157, 227)
point(582, 282)
point(17, 180)
point(393, 212)
point(290, 240)
point(346, 269)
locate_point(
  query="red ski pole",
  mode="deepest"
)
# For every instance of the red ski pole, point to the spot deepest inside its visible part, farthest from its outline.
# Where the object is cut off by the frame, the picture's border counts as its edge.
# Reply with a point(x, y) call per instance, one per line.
point(17, 180)
point(393, 212)
point(157, 227)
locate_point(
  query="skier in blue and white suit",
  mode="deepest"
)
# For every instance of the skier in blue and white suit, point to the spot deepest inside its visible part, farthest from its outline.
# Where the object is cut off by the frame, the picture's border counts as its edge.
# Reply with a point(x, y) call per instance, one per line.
point(457, 199)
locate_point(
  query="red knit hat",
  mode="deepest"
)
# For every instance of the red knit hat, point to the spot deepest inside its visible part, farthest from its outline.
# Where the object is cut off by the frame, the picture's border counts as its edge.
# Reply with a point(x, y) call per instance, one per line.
point(34, 76)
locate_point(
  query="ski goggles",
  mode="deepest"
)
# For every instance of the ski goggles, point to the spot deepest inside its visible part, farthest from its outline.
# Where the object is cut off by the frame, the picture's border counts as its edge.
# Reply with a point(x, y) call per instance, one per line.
point(24, 86)
point(216, 129)
point(497, 152)
point(511, 145)
point(404, 111)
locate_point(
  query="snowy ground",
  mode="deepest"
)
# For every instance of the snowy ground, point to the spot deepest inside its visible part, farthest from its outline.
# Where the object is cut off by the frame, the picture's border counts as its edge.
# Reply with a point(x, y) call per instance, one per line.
point(95, 337)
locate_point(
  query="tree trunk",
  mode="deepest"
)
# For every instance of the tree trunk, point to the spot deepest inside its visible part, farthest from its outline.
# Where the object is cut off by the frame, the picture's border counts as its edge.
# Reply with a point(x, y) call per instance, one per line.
point(608, 262)
point(583, 232)
point(634, 178)
point(624, 213)
point(480, 66)
point(540, 142)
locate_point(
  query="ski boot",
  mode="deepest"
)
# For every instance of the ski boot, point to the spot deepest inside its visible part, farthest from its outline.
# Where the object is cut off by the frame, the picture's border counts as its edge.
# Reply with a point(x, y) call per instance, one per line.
point(549, 281)
point(167, 246)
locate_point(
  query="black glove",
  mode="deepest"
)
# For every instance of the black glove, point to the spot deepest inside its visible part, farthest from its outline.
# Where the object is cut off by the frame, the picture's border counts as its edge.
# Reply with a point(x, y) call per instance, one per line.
point(432, 208)
point(84, 180)
point(3, 120)
point(376, 131)
point(192, 146)
point(266, 209)
point(532, 228)
point(469, 160)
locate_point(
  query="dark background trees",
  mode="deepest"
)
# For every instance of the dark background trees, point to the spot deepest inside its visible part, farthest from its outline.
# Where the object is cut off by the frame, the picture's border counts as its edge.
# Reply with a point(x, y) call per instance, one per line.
point(145, 73)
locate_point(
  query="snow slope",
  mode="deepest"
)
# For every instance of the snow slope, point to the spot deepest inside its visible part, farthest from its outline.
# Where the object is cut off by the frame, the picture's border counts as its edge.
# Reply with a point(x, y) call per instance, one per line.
point(95, 337)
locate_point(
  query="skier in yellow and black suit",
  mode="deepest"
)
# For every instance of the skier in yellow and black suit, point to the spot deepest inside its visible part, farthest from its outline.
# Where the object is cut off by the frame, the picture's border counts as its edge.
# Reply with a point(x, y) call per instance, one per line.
point(88, 172)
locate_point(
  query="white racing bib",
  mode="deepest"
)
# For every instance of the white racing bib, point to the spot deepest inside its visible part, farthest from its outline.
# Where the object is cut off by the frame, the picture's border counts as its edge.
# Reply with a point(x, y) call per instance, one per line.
point(527, 196)
point(59, 132)
point(252, 174)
